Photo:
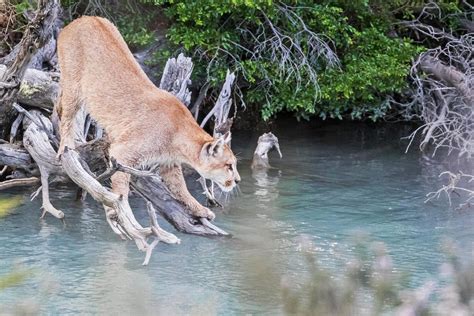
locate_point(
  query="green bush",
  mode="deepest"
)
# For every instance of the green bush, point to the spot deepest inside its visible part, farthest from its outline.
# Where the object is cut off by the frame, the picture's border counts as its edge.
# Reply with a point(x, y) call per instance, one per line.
point(226, 34)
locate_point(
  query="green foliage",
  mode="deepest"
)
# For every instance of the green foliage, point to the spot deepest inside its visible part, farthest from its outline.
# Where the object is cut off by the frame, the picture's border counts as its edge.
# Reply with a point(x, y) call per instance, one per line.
point(22, 6)
point(134, 30)
point(373, 65)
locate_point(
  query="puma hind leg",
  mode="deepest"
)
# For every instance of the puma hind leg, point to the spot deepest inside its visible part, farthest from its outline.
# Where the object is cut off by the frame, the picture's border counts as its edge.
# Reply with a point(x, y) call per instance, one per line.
point(68, 106)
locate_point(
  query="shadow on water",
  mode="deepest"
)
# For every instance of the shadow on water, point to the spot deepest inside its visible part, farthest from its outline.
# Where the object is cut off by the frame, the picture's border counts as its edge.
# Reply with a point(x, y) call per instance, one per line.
point(333, 181)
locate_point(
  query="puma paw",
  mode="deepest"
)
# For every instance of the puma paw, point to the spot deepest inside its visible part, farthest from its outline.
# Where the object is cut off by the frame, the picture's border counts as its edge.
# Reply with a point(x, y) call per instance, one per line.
point(206, 213)
point(210, 215)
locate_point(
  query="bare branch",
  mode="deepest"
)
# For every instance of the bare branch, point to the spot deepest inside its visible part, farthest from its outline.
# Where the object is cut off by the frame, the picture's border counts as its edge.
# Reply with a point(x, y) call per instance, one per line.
point(8, 184)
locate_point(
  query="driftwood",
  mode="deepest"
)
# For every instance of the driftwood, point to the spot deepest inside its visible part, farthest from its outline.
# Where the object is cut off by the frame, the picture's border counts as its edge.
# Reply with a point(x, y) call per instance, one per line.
point(37, 142)
point(16, 156)
point(265, 144)
point(177, 76)
point(45, 55)
point(450, 75)
point(221, 110)
point(155, 192)
point(13, 183)
point(118, 212)
point(38, 88)
point(36, 34)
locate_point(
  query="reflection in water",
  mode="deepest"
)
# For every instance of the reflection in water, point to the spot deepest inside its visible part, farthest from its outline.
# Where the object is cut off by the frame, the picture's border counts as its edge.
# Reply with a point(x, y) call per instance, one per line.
point(332, 182)
point(266, 185)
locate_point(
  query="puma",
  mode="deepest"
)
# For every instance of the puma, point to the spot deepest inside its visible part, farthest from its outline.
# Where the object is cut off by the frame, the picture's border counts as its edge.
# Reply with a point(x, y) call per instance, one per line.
point(146, 126)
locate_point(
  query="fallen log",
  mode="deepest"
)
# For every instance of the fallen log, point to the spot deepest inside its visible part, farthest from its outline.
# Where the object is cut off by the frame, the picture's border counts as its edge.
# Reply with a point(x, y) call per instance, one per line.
point(154, 191)
point(448, 74)
point(14, 155)
point(38, 88)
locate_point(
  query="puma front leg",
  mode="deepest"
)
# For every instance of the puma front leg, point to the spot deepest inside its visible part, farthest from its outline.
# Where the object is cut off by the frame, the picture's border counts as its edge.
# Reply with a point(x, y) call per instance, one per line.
point(173, 178)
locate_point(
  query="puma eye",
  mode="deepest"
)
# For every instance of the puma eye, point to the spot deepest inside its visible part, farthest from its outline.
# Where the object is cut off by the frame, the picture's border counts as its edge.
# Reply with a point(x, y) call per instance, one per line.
point(229, 166)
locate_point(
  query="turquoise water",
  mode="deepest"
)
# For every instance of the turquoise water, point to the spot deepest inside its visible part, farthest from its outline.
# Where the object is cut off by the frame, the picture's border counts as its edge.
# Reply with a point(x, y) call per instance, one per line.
point(332, 183)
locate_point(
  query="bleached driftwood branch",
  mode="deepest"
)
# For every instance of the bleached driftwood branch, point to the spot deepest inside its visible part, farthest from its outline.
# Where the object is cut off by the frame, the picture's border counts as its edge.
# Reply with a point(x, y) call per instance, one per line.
point(118, 212)
point(177, 76)
point(443, 94)
point(13, 183)
point(454, 185)
point(265, 144)
point(16, 156)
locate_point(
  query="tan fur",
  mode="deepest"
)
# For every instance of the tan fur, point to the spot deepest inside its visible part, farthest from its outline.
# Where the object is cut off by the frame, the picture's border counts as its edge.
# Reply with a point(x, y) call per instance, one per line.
point(146, 125)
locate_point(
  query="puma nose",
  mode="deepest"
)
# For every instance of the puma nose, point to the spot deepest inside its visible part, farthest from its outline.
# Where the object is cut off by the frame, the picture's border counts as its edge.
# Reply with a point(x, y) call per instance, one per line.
point(237, 180)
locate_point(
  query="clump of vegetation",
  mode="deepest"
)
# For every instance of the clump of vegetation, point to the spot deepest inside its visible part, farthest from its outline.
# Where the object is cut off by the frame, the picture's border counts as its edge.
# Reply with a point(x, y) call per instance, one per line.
point(7, 204)
point(12, 22)
point(134, 19)
point(328, 59)
point(370, 285)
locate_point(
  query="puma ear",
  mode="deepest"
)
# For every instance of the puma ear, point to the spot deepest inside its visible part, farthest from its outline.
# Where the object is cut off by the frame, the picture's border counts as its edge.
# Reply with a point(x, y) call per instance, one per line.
point(215, 147)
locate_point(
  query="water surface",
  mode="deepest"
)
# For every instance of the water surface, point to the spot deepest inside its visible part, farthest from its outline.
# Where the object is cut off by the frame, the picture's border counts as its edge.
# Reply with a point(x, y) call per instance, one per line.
point(333, 182)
